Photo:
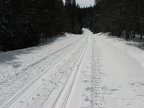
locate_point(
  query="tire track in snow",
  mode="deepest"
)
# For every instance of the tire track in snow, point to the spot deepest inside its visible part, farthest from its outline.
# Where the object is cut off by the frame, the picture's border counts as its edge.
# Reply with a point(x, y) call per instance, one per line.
point(97, 99)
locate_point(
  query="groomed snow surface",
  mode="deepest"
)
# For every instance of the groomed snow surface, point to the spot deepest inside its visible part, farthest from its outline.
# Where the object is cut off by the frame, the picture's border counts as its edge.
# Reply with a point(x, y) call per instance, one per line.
point(74, 71)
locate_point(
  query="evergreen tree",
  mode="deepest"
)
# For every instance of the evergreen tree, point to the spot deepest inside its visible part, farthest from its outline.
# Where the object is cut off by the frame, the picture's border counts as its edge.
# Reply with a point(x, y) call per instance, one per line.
point(73, 17)
point(23, 23)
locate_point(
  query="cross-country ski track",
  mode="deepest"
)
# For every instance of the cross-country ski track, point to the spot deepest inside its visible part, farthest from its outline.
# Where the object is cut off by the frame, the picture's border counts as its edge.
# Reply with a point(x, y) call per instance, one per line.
point(76, 71)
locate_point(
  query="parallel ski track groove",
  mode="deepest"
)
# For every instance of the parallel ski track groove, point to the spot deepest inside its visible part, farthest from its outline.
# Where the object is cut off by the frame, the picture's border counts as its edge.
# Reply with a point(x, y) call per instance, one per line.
point(77, 58)
point(41, 60)
point(37, 78)
point(71, 85)
point(65, 64)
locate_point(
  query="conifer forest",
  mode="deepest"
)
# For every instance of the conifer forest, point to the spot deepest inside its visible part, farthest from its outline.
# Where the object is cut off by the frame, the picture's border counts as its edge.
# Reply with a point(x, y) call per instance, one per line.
point(24, 23)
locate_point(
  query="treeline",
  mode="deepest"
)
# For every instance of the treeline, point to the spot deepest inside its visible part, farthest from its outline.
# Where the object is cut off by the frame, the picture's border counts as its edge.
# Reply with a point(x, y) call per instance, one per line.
point(117, 17)
point(24, 23)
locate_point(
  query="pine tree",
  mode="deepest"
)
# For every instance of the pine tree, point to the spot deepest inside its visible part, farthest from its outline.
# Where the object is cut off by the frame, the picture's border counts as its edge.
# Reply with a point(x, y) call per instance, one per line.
point(24, 23)
point(73, 17)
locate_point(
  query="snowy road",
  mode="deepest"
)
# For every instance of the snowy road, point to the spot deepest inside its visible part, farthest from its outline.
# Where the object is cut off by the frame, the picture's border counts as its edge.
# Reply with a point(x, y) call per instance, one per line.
point(78, 71)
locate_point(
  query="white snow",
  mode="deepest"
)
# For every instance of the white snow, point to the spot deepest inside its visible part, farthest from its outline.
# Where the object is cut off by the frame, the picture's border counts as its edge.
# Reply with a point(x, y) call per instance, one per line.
point(74, 71)
point(122, 72)
point(19, 68)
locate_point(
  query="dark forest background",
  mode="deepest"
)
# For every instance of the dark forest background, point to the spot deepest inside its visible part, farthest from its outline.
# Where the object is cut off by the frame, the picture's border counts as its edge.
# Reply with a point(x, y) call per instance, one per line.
point(118, 17)
point(23, 23)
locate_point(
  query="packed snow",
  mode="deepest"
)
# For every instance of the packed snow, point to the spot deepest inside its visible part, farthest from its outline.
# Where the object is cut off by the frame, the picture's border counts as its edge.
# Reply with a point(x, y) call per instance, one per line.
point(122, 72)
point(74, 71)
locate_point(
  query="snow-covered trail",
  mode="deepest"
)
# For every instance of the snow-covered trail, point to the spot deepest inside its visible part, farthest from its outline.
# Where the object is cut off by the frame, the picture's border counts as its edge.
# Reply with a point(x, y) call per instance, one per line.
point(31, 64)
point(45, 77)
point(79, 71)
point(121, 72)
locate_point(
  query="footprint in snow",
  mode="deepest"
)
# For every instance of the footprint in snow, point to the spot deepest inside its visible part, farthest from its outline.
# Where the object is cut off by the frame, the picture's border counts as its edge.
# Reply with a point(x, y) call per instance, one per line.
point(89, 89)
point(86, 99)
point(85, 81)
point(114, 89)
point(21, 102)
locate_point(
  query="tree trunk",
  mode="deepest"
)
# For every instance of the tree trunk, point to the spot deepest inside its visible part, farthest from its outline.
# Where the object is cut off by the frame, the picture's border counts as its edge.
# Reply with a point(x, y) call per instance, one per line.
point(134, 34)
point(141, 36)
point(127, 19)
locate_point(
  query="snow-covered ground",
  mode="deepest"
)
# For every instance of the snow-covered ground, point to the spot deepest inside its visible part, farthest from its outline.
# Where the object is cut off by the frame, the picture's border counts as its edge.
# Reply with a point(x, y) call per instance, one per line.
point(75, 71)
point(122, 72)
